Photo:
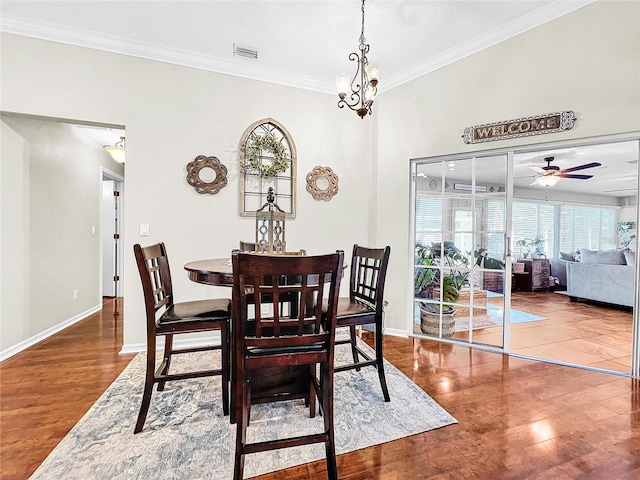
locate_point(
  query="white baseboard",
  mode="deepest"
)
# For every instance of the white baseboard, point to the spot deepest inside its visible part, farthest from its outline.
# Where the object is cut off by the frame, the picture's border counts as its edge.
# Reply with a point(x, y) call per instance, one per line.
point(29, 342)
point(395, 332)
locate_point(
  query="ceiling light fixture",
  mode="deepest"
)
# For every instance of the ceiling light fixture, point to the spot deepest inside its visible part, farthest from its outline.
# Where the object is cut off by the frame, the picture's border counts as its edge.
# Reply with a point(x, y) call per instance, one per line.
point(548, 180)
point(362, 93)
point(117, 151)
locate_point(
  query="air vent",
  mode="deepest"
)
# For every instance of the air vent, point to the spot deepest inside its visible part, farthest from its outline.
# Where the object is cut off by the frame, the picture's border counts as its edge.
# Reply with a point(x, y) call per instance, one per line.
point(245, 52)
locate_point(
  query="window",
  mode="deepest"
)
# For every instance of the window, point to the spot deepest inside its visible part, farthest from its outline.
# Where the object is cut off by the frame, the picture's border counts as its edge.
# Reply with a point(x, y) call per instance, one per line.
point(587, 227)
point(494, 228)
point(463, 238)
point(564, 228)
point(428, 219)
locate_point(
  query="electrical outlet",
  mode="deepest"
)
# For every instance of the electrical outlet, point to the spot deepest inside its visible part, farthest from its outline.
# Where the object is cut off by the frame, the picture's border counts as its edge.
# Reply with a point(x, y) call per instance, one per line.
point(75, 294)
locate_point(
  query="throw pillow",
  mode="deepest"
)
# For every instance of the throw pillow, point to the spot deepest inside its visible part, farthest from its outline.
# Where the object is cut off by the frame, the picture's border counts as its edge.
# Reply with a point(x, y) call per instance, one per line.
point(569, 256)
point(607, 257)
point(630, 257)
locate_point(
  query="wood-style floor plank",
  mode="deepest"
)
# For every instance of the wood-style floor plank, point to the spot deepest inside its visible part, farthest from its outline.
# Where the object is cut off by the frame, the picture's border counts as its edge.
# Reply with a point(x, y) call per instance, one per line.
point(518, 419)
point(46, 389)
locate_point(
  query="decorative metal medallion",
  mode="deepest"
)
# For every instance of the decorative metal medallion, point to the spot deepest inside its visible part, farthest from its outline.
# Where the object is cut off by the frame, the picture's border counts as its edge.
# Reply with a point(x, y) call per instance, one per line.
point(322, 183)
point(520, 127)
point(195, 168)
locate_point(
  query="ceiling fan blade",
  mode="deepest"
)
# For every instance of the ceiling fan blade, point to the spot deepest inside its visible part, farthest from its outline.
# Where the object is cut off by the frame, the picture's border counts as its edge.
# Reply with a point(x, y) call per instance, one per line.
point(581, 177)
point(538, 169)
point(581, 167)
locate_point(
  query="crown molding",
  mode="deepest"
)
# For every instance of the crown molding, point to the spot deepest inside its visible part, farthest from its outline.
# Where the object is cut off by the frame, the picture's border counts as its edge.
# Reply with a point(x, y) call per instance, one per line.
point(523, 24)
point(240, 68)
point(122, 46)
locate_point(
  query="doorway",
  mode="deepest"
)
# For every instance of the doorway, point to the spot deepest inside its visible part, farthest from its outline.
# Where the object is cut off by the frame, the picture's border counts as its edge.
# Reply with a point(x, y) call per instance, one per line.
point(518, 228)
point(111, 206)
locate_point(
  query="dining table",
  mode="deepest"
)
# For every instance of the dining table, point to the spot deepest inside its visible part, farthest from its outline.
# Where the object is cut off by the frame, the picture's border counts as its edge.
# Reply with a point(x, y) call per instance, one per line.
point(219, 272)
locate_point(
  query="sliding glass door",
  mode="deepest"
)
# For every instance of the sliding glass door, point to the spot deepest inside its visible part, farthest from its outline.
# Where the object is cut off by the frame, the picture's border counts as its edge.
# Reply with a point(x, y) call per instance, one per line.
point(531, 251)
point(460, 248)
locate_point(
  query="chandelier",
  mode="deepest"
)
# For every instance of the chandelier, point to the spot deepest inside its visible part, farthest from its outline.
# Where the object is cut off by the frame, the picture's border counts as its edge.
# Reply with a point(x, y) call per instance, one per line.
point(365, 81)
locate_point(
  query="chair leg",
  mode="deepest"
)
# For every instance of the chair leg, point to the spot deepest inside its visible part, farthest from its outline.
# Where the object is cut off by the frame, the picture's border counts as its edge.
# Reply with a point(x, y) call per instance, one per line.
point(354, 350)
point(311, 403)
point(327, 408)
point(148, 386)
point(166, 357)
point(241, 431)
point(380, 363)
point(226, 366)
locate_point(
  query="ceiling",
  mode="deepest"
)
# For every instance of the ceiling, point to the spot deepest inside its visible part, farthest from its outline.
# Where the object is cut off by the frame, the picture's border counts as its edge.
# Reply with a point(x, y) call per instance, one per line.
point(306, 43)
point(300, 43)
point(617, 176)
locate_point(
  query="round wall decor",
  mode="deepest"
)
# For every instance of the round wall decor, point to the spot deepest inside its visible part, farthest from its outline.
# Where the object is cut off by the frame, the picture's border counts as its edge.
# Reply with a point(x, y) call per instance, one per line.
point(207, 174)
point(322, 183)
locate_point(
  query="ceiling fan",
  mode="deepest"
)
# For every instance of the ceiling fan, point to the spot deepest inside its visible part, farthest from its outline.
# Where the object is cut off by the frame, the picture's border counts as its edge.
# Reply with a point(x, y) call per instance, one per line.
point(550, 174)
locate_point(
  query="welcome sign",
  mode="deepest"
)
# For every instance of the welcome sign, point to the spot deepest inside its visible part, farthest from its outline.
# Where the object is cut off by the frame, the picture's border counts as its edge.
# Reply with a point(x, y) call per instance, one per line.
point(520, 127)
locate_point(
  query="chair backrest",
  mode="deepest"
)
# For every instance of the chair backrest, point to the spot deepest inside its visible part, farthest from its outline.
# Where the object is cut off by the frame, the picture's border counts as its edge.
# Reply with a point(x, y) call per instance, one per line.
point(247, 246)
point(153, 266)
point(257, 275)
point(368, 274)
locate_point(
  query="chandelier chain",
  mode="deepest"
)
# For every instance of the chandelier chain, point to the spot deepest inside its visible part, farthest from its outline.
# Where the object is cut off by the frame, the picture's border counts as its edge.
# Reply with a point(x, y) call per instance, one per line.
point(362, 39)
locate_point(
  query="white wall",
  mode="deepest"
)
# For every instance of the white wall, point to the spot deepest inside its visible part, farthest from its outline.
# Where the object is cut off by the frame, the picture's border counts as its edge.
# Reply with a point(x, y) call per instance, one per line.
point(14, 238)
point(587, 61)
point(171, 115)
point(50, 194)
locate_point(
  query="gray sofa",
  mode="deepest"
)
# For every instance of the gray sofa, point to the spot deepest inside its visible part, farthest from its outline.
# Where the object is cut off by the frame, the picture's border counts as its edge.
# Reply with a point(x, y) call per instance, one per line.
point(603, 276)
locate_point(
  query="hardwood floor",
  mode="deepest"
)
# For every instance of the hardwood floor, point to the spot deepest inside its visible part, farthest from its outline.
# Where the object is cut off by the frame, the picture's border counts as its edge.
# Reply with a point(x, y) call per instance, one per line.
point(47, 388)
point(583, 333)
point(518, 419)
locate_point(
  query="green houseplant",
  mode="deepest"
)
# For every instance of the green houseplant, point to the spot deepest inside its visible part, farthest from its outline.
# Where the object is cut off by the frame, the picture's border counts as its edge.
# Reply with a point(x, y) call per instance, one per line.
point(625, 232)
point(530, 245)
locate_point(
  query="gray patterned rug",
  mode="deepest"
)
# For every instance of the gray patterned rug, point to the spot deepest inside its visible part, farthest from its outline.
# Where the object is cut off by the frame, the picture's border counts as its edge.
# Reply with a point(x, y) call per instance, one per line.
point(186, 436)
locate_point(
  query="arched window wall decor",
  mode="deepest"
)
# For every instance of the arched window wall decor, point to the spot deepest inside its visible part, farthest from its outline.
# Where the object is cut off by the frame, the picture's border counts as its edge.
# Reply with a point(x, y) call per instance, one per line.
point(255, 184)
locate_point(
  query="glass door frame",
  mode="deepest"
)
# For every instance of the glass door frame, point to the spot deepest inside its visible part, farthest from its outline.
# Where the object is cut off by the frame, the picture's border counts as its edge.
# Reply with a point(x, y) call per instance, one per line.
point(510, 153)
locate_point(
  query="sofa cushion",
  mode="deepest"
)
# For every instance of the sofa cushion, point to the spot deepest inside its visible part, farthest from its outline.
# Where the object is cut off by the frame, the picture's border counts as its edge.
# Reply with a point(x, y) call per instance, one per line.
point(606, 257)
point(630, 257)
point(569, 256)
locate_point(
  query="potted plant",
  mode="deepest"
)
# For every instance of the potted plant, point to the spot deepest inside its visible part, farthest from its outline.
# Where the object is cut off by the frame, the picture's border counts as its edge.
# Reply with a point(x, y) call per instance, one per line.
point(530, 245)
point(431, 313)
point(625, 231)
point(424, 277)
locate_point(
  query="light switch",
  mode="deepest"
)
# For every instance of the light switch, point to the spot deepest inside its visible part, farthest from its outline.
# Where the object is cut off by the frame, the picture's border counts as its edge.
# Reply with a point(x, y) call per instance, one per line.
point(144, 229)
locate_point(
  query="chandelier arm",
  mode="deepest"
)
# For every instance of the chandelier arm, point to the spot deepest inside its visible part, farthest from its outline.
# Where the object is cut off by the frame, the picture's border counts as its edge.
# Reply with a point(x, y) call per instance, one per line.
point(362, 94)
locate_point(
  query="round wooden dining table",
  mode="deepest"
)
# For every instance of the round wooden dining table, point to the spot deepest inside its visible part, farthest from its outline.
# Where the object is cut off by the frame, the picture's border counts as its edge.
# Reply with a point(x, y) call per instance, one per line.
point(214, 271)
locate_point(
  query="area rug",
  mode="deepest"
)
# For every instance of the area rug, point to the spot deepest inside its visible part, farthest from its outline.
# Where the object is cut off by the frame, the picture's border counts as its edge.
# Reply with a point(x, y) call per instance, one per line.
point(187, 437)
point(494, 318)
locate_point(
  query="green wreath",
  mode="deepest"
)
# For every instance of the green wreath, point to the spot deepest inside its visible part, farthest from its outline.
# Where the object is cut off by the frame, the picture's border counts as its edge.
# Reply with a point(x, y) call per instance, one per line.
point(270, 144)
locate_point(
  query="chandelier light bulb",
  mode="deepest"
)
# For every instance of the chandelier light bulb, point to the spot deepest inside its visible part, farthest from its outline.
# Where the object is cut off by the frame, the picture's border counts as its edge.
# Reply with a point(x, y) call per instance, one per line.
point(373, 72)
point(342, 85)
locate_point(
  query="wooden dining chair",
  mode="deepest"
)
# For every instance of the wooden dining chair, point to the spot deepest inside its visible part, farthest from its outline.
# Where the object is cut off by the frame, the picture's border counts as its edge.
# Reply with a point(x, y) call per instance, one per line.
point(247, 246)
point(364, 307)
point(166, 318)
point(276, 357)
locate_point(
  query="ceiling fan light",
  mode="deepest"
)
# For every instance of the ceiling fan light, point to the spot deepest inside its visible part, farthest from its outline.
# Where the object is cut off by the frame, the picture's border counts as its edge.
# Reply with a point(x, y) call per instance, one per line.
point(548, 180)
